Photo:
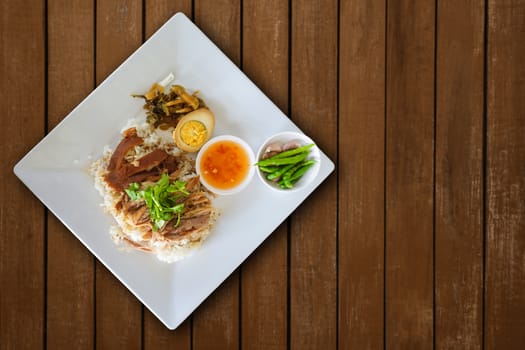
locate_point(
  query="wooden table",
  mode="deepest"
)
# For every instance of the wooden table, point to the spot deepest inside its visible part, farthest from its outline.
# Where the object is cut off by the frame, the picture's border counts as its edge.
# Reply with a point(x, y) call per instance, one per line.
point(417, 241)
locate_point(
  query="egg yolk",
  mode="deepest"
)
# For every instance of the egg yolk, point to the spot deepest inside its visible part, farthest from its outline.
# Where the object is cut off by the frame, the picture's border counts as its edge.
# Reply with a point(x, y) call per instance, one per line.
point(193, 133)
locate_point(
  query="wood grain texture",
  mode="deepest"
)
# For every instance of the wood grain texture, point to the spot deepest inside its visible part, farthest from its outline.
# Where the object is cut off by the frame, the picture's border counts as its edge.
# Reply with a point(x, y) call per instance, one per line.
point(459, 172)
point(313, 246)
point(157, 12)
point(22, 111)
point(70, 272)
point(156, 335)
point(216, 321)
point(118, 312)
point(361, 161)
point(119, 33)
point(220, 20)
point(505, 191)
point(264, 274)
point(409, 174)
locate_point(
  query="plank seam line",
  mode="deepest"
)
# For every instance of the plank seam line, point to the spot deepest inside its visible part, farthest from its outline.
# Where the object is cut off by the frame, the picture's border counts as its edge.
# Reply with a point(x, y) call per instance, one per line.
point(434, 273)
point(143, 21)
point(385, 135)
point(142, 326)
point(484, 170)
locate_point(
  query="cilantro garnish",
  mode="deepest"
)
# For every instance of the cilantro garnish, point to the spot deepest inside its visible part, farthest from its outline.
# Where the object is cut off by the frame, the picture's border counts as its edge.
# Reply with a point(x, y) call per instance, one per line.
point(161, 200)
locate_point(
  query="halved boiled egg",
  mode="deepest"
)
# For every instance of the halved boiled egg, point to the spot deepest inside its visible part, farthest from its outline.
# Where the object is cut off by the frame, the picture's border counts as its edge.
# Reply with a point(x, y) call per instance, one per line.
point(194, 129)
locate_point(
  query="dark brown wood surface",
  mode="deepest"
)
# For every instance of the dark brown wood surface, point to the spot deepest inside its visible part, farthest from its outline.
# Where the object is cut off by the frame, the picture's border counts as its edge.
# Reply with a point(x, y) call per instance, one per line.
point(361, 176)
point(459, 175)
point(417, 241)
point(505, 176)
point(313, 234)
point(409, 173)
point(23, 255)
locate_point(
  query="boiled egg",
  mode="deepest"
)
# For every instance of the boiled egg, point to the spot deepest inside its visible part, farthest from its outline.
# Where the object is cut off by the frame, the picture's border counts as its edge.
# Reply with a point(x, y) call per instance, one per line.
point(194, 129)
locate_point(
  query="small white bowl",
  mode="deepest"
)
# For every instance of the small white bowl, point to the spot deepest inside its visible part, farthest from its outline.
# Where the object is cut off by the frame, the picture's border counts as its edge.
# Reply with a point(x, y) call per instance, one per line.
point(284, 137)
point(251, 161)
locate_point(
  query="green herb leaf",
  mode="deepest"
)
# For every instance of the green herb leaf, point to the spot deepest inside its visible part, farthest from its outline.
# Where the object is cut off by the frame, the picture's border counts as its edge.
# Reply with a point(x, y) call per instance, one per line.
point(132, 191)
point(161, 200)
point(178, 186)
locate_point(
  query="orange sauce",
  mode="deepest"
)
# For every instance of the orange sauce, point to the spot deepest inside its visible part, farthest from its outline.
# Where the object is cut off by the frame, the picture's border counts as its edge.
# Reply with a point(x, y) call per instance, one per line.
point(224, 164)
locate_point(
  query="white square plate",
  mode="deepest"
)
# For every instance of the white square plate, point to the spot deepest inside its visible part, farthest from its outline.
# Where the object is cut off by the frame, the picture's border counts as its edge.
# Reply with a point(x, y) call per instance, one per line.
point(56, 170)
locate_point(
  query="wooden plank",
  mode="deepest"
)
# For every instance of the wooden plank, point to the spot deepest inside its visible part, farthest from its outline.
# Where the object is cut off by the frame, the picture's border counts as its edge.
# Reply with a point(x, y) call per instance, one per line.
point(409, 174)
point(216, 321)
point(361, 161)
point(157, 12)
point(118, 312)
point(264, 294)
point(313, 237)
point(71, 267)
point(22, 109)
point(156, 335)
point(264, 274)
point(459, 171)
point(505, 191)
point(221, 22)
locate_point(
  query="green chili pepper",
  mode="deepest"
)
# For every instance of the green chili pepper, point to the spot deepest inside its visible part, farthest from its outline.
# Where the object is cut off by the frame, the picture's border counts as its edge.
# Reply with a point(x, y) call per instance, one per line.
point(278, 173)
point(268, 169)
point(292, 152)
point(301, 171)
point(290, 172)
point(283, 161)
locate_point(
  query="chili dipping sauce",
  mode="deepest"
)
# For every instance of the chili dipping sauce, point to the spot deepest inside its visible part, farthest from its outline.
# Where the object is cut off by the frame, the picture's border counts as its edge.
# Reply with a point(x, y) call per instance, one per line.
point(225, 164)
